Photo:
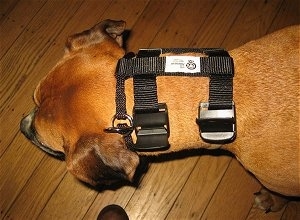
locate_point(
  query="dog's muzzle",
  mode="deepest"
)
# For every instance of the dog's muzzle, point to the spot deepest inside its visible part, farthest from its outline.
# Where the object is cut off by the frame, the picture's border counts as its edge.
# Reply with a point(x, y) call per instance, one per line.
point(27, 128)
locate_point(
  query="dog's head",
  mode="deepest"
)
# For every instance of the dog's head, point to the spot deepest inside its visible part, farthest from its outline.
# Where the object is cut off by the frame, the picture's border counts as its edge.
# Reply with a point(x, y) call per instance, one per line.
point(75, 102)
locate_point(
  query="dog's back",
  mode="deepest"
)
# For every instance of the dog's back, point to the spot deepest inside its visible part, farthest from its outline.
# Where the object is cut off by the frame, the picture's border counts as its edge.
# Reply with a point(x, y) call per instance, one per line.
point(266, 90)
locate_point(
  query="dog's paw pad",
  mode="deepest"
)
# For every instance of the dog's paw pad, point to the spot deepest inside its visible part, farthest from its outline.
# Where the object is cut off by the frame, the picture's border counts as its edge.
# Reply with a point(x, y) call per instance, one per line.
point(269, 201)
point(263, 200)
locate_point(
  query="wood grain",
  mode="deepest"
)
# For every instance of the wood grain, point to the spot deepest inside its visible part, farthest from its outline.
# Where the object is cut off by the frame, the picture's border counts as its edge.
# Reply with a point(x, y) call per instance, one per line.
point(234, 196)
point(28, 49)
point(6, 7)
point(217, 24)
point(21, 59)
point(200, 187)
point(16, 167)
point(161, 190)
point(292, 211)
point(196, 185)
point(39, 188)
point(180, 28)
point(19, 17)
point(252, 22)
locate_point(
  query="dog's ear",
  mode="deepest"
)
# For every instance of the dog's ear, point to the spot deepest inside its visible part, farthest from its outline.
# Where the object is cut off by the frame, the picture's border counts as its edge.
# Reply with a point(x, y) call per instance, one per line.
point(102, 160)
point(105, 29)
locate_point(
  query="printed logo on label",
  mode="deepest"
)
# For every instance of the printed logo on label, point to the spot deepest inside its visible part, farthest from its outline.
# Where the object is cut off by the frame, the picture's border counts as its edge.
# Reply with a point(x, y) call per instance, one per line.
point(184, 64)
point(191, 65)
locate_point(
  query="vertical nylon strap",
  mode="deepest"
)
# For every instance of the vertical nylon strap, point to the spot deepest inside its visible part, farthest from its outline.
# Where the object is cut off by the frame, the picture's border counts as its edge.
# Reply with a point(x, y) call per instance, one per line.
point(220, 92)
point(120, 90)
point(145, 93)
point(145, 88)
point(220, 84)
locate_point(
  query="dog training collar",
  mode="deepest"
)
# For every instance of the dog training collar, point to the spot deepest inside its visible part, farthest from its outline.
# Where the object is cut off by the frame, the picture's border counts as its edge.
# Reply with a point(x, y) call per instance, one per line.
point(216, 118)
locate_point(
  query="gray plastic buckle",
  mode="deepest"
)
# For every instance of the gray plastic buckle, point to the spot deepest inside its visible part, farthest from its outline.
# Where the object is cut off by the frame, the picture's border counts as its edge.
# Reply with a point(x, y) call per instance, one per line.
point(217, 126)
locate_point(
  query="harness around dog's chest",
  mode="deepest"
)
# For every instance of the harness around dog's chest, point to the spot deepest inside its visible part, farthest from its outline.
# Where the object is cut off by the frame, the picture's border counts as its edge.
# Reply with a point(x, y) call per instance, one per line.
point(216, 118)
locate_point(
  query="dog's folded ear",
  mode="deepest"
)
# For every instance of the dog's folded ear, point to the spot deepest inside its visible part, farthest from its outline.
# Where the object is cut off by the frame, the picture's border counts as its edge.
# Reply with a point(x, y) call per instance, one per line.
point(102, 160)
point(103, 30)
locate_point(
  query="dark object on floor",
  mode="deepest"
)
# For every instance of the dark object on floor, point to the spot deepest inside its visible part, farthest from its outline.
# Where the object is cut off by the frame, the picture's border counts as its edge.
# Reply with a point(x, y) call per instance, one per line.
point(112, 212)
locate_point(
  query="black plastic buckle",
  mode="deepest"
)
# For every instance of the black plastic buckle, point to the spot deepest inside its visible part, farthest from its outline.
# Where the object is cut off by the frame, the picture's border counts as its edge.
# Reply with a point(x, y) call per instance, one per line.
point(217, 126)
point(152, 129)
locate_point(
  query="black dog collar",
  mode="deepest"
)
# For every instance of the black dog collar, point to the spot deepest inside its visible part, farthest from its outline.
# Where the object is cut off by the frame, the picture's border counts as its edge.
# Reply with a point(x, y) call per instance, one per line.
point(216, 118)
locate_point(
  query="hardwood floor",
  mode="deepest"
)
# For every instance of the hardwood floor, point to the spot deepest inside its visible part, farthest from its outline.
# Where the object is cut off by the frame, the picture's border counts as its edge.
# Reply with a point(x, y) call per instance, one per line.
point(202, 186)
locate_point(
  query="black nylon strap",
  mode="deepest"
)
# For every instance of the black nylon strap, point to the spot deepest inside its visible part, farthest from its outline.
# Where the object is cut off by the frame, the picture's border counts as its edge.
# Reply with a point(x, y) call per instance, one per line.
point(141, 66)
point(156, 66)
point(145, 94)
point(220, 85)
point(120, 98)
point(220, 92)
point(207, 51)
point(145, 88)
point(144, 70)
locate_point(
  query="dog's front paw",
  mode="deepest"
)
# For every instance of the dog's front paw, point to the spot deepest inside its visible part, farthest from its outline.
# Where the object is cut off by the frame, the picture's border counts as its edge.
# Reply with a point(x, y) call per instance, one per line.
point(268, 201)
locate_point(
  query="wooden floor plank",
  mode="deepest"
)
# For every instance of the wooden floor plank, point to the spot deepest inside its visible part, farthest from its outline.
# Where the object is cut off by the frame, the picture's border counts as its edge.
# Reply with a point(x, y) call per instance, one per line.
point(252, 23)
point(27, 50)
point(216, 26)
point(18, 18)
point(181, 27)
point(71, 200)
point(200, 187)
point(6, 7)
point(16, 167)
point(159, 189)
point(19, 64)
point(258, 214)
point(119, 10)
point(292, 211)
point(39, 189)
point(119, 196)
point(235, 192)
point(149, 24)
point(288, 14)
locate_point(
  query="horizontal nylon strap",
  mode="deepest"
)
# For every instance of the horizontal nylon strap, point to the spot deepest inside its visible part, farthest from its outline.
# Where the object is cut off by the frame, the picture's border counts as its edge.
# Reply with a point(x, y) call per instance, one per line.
point(207, 51)
point(138, 66)
point(156, 66)
point(156, 52)
point(149, 52)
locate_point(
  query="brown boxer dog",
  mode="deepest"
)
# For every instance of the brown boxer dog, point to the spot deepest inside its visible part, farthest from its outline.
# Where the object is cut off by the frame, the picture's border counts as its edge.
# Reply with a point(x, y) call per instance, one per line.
point(76, 101)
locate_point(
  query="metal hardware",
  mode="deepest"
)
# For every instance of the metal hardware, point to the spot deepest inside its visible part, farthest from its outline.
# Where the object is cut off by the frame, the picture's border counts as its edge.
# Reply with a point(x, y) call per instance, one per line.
point(121, 128)
point(217, 126)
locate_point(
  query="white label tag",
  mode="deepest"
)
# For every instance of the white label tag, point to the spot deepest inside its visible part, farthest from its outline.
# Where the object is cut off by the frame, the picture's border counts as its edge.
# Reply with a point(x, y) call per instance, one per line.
point(185, 64)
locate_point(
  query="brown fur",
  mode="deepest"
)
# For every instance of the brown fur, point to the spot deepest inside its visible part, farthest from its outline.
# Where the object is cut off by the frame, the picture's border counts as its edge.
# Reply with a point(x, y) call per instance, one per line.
point(75, 102)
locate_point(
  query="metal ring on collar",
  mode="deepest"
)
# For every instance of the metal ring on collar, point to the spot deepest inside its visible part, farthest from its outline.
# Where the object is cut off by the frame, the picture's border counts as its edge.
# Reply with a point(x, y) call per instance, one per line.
point(121, 128)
